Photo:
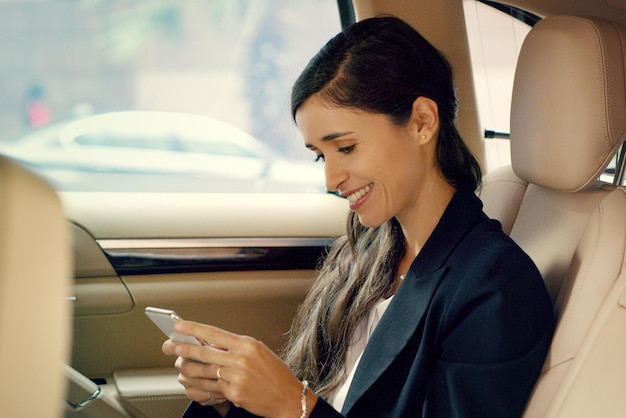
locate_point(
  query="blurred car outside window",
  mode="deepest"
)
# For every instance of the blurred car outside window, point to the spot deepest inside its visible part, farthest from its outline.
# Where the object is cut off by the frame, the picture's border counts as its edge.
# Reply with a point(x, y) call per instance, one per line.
point(170, 95)
point(495, 40)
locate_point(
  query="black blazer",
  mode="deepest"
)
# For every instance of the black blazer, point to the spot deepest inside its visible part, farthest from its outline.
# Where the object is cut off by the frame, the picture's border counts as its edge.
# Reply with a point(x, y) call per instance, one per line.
point(466, 334)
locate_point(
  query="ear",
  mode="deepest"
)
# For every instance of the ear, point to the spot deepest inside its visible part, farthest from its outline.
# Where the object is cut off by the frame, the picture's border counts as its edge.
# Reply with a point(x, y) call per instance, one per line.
point(425, 117)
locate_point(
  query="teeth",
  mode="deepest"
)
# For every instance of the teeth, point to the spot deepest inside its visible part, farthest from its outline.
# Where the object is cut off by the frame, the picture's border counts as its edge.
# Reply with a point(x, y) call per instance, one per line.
point(359, 194)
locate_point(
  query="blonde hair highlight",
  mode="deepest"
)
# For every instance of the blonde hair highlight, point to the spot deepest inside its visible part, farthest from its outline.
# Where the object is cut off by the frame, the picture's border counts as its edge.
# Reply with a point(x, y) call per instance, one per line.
point(359, 269)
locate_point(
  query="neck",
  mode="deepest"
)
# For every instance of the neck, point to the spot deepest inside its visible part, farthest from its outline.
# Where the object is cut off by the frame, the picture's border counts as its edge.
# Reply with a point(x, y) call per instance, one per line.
point(419, 223)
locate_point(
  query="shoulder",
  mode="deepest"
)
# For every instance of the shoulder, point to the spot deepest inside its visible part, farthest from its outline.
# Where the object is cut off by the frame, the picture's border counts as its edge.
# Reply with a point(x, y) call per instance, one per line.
point(493, 292)
point(487, 250)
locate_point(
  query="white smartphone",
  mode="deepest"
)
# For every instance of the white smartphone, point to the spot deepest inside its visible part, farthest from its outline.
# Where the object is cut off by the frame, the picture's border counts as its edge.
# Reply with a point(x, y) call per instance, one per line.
point(165, 320)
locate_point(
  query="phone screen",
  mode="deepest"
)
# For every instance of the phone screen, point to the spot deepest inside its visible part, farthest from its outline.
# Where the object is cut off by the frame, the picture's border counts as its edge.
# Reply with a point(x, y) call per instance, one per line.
point(165, 320)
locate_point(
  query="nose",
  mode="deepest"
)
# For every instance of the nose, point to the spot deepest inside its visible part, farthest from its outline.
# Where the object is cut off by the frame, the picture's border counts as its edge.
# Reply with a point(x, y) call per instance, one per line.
point(335, 175)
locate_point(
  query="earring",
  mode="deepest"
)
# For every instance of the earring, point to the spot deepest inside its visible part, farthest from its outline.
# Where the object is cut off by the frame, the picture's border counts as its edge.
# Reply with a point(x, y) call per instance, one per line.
point(423, 137)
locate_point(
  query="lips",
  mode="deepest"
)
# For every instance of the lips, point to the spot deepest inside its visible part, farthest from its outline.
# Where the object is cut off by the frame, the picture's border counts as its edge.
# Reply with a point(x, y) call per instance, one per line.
point(358, 194)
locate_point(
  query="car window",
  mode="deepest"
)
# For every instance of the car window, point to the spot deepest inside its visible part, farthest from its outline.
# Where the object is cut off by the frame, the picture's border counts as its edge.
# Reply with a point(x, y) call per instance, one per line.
point(194, 80)
point(217, 147)
point(495, 39)
point(119, 140)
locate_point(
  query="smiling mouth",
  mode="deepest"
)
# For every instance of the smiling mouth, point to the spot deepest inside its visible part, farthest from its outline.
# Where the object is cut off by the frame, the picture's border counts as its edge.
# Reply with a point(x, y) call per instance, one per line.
point(359, 194)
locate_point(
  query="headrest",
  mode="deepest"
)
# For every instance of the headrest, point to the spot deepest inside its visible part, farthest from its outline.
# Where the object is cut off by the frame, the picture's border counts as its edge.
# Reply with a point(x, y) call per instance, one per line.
point(568, 110)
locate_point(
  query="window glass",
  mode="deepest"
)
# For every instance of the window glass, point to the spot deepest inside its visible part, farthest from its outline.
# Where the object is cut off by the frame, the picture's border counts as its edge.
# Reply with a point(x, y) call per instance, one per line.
point(114, 95)
point(113, 140)
point(495, 40)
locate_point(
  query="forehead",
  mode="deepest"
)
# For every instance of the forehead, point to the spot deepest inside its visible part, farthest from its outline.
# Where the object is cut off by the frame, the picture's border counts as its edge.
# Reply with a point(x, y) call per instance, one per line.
point(317, 120)
point(317, 108)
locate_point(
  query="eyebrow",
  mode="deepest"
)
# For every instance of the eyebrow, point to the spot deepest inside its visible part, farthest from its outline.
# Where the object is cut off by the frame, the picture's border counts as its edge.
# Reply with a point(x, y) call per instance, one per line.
point(335, 135)
point(330, 137)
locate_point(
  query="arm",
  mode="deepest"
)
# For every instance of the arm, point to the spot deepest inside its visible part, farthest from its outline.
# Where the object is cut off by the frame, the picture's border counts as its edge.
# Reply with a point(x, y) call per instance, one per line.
point(496, 336)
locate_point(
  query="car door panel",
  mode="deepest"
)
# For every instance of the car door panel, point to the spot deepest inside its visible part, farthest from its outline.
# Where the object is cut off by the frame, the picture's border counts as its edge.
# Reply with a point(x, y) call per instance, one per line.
point(189, 215)
point(260, 304)
point(243, 263)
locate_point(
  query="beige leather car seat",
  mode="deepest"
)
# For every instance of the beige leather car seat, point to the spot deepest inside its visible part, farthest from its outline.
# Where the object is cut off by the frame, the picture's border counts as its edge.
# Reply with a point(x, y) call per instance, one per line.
point(34, 282)
point(587, 363)
point(595, 385)
point(568, 119)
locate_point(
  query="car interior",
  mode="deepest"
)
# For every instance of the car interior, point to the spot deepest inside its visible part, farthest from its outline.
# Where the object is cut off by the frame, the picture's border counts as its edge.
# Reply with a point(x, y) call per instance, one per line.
point(560, 219)
point(77, 269)
point(35, 252)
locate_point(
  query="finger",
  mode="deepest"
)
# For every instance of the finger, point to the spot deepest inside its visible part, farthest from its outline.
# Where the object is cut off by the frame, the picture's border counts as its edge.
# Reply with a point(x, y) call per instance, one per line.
point(195, 369)
point(195, 390)
point(199, 384)
point(168, 347)
point(202, 354)
point(216, 395)
point(200, 396)
point(213, 399)
point(214, 336)
point(227, 376)
point(179, 362)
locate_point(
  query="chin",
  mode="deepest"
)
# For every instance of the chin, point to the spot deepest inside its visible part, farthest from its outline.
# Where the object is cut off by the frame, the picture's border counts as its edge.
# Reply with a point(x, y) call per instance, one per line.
point(371, 222)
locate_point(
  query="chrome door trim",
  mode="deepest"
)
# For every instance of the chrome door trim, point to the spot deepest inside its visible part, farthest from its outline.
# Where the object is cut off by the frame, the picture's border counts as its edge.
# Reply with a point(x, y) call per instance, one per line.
point(160, 243)
point(154, 256)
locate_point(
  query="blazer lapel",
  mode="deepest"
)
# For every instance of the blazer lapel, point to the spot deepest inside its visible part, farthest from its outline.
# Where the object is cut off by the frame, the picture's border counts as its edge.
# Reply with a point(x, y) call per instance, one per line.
point(408, 308)
point(414, 295)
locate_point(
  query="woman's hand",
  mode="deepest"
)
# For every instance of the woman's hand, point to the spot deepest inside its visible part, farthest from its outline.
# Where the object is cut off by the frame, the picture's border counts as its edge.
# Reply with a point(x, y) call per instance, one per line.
point(199, 379)
point(242, 369)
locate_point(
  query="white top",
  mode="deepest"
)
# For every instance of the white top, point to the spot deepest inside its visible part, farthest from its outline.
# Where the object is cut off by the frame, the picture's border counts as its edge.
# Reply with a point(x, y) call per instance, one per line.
point(360, 338)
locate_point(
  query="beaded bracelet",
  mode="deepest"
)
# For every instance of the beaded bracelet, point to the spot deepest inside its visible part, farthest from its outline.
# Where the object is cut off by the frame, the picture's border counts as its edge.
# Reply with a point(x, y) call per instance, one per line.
point(305, 385)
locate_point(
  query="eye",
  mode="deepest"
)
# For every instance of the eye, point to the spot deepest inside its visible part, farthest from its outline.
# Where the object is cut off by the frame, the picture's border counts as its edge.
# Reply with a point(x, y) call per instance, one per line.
point(319, 157)
point(346, 150)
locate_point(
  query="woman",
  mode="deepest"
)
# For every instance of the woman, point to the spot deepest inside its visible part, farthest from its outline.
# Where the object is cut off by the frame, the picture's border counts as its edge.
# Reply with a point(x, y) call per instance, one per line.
point(425, 307)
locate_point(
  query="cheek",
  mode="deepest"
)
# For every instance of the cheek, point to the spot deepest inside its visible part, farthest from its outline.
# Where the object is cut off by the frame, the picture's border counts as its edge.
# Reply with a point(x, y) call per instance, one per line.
point(403, 159)
point(407, 171)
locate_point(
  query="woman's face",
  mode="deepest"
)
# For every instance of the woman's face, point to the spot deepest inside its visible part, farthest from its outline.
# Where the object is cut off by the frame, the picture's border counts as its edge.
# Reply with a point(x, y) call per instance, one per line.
point(380, 167)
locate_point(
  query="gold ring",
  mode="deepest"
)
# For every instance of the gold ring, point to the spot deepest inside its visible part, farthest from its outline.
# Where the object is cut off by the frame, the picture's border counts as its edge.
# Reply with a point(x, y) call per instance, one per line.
point(219, 375)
